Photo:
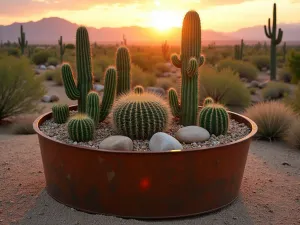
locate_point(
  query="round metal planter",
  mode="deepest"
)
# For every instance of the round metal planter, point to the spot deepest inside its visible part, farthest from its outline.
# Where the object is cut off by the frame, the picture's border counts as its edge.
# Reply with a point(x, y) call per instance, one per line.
point(145, 185)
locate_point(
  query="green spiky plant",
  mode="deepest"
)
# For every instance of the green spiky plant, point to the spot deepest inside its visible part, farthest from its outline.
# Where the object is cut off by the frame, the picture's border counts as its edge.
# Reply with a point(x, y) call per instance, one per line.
point(22, 40)
point(215, 119)
point(138, 89)
point(173, 101)
point(60, 113)
point(139, 116)
point(84, 84)
point(238, 51)
point(284, 51)
point(99, 112)
point(123, 64)
point(271, 33)
point(189, 61)
point(81, 128)
point(208, 101)
point(62, 48)
point(165, 50)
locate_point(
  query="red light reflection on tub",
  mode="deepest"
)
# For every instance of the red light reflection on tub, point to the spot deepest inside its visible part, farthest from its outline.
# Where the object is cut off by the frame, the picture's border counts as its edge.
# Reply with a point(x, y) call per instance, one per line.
point(144, 183)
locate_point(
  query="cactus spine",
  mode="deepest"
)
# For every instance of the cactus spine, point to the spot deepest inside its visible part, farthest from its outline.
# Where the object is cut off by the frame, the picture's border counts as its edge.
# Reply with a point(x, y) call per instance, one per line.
point(208, 101)
point(173, 101)
point(138, 89)
point(123, 69)
point(22, 40)
point(215, 119)
point(61, 49)
point(60, 113)
point(271, 33)
point(238, 51)
point(139, 116)
point(81, 128)
point(189, 61)
point(165, 50)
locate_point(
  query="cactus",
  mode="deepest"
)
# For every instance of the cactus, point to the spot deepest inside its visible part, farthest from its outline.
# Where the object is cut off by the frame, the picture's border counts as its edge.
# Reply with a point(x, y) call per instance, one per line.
point(81, 128)
point(123, 70)
point(22, 40)
point(208, 101)
point(238, 51)
point(271, 33)
point(189, 61)
point(61, 49)
point(139, 116)
point(60, 113)
point(124, 42)
point(165, 50)
point(138, 89)
point(284, 51)
point(214, 118)
point(94, 110)
point(173, 101)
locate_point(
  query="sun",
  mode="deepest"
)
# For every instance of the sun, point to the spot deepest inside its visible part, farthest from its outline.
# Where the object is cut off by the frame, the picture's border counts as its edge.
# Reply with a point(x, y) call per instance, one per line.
point(163, 20)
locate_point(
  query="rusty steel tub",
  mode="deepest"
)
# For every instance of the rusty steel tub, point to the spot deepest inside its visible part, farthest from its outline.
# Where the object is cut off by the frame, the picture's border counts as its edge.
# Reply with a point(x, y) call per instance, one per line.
point(144, 184)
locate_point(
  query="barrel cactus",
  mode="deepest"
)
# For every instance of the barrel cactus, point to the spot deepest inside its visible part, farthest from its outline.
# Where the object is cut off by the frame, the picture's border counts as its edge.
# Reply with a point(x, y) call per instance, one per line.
point(81, 128)
point(60, 113)
point(215, 119)
point(138, 89)
point(139, 116)
point(123, 69)
point(189, 61)
point(208, 101)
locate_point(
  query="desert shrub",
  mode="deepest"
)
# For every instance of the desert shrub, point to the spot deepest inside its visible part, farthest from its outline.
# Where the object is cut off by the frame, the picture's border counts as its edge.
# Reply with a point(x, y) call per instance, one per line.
point(20, 89)
point(165, 83)
point(223, 86)
point(53, 61)
point(293, 101)
point(23, 127)
point(293, 135)
point(244, 69)
point(294, 65)
point(285, 75)
point(276, 90)
point(272, 118)
point(140, 77)
point(40, 57)
point(212, 57)
point(261, 61)
point(252, 90)
point(14, 52)
point(70, 46)
point(57, 77)
point(49, 75)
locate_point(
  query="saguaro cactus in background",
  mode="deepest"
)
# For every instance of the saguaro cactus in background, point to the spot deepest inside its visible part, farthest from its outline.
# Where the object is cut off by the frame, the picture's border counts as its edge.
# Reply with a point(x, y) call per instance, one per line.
point(22, 40)
point(271, 33)
point(123, 64)
point(189, 61)
point(284, 51)
point(238, 51)
point(165, 50)
point(124, 42)
point(61, 49)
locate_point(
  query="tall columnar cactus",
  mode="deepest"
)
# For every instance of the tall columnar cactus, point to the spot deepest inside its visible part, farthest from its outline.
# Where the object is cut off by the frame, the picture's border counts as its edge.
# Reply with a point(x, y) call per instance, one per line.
point(165, 50)
point(60, 113)
point(208, 101)
point(215, 119)
point(94, 110)
point(238, 51)
point(22, 40)
point(123, 64)
point(138, 89)
point(139, 116)
point(189, 61)
point(271, 33)
point(81, 128)
point(284, 51)
point(84, 71)
point(62, 47)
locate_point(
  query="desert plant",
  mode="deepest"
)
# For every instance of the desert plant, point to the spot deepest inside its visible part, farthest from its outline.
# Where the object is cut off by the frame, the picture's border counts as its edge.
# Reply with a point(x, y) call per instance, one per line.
point(294, 65)
point(60, 113)
point(275, 90)
point(271, 33)
point(165, 83)
point(123, 64)
point(62, 48)
point(139, 116)
point(173, 101)
point(81, 128)
point(165, 50)
point(52, 61)
point(94, 110)
point(14, 52)
point(261, 61)
point(20, 89)
point(285, 75)
point(293, 135)
point(239, 50)
point(207, 101)
point(189, 61)
point(40, 57)
point(244, 69)
point(23, 128)
point(272, 118)
point(223, 86)
point(284, 51)
point(140, 77)
point(22, 40)
point(138, 89)
point(215, 119)
point(70, 46)
point(293, 101)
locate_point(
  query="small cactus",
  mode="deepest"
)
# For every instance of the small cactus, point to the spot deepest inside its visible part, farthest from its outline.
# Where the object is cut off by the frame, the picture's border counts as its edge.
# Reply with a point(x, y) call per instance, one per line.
point(138, 89)
point(81, 128)
point(215, 119)
point(173, 101)
point(62, 48)
point(60, 113)
point(123, 65)
point(139, 116)
point(93, 109)
point(22, 40)
point(208, 101)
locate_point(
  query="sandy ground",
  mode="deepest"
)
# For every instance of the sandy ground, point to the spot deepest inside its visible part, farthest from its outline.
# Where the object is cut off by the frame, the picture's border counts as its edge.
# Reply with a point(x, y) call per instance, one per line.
point(269, 194)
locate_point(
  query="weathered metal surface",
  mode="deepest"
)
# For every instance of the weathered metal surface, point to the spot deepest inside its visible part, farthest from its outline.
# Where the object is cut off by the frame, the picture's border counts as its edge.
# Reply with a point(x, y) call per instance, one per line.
point(144, 184)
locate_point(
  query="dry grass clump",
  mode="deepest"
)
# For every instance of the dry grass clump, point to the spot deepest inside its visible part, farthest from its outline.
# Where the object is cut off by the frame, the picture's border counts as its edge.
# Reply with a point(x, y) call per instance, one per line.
point(293, 135)
point(23, 126)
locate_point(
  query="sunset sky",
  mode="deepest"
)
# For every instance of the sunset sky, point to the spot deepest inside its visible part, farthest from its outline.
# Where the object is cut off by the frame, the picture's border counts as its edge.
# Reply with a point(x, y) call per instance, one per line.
point(219, 15)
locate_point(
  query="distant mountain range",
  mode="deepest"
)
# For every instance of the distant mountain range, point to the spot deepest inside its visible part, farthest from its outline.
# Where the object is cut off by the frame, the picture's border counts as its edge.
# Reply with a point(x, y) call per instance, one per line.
point(48, 30)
